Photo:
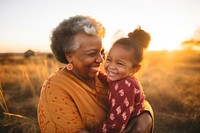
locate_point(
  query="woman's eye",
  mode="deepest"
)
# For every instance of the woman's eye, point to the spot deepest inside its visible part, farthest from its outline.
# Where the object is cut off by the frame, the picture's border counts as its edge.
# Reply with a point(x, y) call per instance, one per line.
point(92, 54)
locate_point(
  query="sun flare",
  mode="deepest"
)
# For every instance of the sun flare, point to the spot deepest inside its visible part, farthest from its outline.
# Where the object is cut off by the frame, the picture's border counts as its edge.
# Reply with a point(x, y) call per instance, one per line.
point(158, 42)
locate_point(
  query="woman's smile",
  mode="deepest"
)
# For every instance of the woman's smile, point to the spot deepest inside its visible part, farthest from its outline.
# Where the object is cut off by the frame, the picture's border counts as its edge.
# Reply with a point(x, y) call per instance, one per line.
point(96, 68)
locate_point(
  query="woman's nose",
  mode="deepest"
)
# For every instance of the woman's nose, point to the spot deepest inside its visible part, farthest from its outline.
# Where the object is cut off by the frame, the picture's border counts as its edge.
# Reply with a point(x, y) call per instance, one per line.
point(99, 58)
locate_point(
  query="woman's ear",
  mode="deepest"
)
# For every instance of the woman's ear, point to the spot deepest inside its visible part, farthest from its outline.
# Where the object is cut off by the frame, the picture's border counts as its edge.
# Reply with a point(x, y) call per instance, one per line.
point(68, 56)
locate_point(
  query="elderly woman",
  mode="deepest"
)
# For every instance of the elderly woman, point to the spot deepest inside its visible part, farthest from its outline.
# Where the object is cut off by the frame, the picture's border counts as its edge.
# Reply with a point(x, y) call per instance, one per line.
point(73, 98)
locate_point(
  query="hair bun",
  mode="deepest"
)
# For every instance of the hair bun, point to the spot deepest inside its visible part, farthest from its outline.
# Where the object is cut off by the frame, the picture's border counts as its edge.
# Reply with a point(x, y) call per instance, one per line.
point(142, 36)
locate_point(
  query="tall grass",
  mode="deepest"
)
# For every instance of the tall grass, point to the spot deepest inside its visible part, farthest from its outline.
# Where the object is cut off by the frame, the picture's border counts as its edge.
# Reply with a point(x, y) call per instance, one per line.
point(21, 80)
point(170, 81)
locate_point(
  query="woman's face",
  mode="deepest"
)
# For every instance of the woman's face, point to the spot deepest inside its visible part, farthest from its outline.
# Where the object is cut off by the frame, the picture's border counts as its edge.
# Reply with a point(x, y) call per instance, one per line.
point(119, 63)
point(88, 57)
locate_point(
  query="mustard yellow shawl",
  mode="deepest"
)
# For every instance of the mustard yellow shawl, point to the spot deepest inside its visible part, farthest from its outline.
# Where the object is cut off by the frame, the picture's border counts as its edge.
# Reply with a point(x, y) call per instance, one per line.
point(67, 105)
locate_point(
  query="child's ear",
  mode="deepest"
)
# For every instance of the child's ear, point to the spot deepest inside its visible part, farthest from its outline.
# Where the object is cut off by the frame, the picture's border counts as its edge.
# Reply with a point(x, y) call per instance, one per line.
point(136, 69)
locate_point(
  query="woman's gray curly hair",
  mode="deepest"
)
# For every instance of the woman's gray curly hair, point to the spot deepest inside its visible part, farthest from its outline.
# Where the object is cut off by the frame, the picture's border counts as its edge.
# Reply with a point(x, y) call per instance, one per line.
point(62, 38)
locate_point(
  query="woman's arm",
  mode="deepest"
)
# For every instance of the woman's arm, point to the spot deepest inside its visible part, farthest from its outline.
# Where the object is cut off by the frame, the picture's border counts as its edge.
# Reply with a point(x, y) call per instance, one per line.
point(144, 123)
point(56, 110)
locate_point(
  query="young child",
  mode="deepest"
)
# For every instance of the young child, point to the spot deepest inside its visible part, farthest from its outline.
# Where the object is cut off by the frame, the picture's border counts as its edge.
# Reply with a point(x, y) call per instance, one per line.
point(126, 96)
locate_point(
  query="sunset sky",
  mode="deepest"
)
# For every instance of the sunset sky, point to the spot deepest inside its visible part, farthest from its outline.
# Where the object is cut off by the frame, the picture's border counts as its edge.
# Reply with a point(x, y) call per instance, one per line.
point(27, 24)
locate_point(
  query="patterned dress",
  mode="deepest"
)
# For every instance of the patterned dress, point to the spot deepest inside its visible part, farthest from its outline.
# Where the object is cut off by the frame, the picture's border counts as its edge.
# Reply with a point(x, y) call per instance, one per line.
point(67, 105)
point(126, 100)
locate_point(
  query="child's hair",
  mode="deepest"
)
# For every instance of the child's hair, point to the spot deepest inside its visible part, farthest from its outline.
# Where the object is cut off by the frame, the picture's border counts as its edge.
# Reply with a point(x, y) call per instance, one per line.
point(136, 42)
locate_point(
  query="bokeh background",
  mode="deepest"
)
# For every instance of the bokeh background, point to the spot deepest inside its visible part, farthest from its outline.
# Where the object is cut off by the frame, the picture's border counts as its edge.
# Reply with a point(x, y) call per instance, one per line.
point(170, 72)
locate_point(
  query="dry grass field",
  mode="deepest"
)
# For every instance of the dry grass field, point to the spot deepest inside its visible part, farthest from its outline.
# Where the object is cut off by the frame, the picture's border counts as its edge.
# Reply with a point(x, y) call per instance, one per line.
point(171, 81)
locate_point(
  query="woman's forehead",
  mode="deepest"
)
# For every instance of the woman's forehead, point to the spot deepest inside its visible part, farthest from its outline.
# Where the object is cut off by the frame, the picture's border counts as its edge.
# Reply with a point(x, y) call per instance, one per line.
point(88, 41)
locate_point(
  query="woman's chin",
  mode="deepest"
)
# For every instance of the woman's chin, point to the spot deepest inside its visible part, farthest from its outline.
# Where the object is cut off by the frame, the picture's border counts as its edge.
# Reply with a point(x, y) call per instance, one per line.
point(94, 74)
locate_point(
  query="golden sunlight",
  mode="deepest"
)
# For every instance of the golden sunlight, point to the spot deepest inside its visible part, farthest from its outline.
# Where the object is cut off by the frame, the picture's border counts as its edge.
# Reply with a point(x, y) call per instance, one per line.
point(160, 43)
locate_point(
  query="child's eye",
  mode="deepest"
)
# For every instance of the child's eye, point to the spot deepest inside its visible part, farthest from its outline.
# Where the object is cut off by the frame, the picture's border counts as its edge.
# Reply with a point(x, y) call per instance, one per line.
point(108, 59)
point(120, 64)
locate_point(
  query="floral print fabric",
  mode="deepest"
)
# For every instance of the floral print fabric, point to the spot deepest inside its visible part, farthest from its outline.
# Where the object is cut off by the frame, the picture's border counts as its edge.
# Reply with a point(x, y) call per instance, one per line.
point(126, 100)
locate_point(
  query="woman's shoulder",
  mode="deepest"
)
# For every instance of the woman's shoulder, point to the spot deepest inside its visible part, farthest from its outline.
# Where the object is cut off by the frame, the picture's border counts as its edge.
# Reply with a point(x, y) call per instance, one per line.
point(55, 74)
point(58, 77)
point(60, 80)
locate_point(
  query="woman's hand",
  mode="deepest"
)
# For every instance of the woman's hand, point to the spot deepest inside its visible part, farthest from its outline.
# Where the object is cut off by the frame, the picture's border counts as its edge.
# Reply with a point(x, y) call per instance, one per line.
point(140, 124)
point(83, 131)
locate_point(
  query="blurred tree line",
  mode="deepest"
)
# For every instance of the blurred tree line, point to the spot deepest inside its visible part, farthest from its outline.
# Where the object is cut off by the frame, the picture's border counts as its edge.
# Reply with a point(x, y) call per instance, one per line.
point(193, 43)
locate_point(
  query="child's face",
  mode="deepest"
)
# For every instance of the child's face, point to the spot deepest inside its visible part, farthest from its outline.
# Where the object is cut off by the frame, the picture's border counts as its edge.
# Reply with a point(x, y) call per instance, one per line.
point(119, 63)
